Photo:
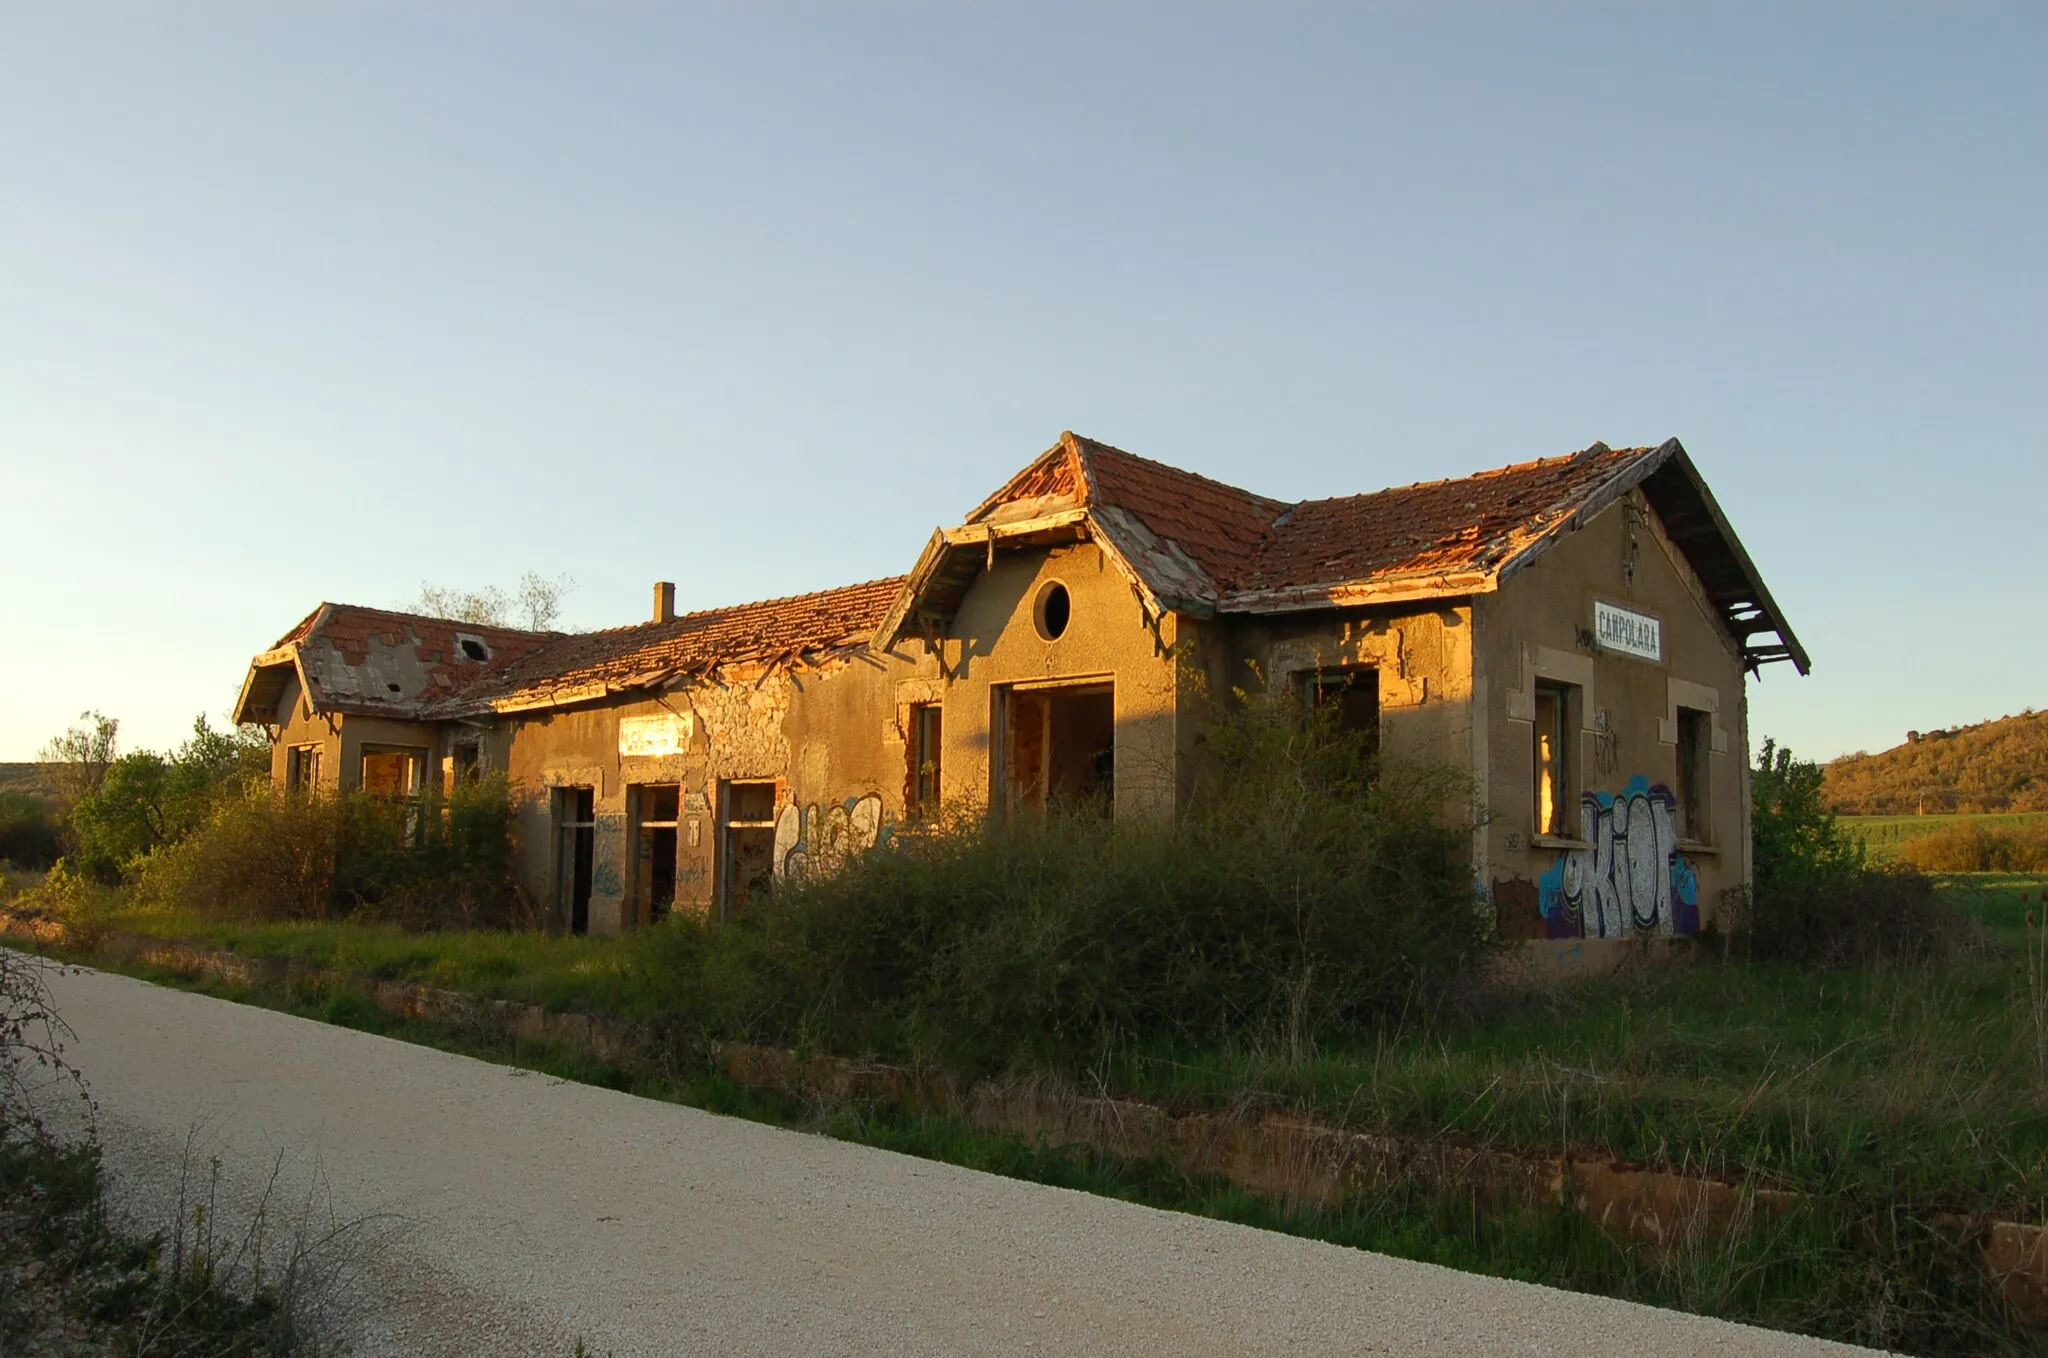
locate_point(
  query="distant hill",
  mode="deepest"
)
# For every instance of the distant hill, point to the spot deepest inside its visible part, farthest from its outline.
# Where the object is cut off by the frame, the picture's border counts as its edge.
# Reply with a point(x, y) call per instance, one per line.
point(33, 779)
point(1993, 766)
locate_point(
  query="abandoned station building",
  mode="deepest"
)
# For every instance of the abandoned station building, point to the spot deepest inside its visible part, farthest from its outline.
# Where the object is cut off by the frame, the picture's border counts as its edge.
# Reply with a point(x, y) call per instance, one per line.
point(1574, 632)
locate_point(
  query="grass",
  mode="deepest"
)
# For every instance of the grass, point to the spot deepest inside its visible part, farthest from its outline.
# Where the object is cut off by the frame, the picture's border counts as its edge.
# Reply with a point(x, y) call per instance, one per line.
point(554, 971)
point(1883, 835)
point(1812, 1270)
point(1920, 1079)
point(1888, 1096)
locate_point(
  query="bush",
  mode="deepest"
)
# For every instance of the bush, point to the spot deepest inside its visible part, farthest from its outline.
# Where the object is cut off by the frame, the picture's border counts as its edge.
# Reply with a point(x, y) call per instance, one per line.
point(1974, 848)
point(142, 800)
point(1817, 902)
point(1866, 918)
point(265, 855)
point(31, 831)
point(1300, 896)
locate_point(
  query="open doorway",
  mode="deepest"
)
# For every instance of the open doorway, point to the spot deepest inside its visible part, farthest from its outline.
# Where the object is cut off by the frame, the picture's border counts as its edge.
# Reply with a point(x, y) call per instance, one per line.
point(747, 844)
point(654, 808)
point(1059, 746)
point(575, 850)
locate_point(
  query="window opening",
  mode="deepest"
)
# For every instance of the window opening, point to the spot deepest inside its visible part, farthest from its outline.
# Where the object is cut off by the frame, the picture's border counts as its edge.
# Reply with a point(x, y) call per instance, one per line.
point(1059, 747)
point(926, 731)
point(1553, 761)
point(1353, 697)
point(1052, 611)
point(749, 843)
point(392, 771)
point(302, 768)
point(654, 859)
point(1695, 732)
point(575, 853)
point(465, 764)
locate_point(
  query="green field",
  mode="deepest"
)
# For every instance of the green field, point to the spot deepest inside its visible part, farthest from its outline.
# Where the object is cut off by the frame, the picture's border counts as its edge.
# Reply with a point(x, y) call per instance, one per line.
point(1884, 834)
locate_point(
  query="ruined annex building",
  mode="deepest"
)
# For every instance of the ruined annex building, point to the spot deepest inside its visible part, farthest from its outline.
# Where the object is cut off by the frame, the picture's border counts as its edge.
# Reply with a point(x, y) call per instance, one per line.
point(1573, 631)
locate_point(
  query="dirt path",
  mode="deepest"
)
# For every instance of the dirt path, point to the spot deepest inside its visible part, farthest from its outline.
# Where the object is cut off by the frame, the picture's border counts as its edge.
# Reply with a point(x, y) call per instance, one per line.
point(520, 1214)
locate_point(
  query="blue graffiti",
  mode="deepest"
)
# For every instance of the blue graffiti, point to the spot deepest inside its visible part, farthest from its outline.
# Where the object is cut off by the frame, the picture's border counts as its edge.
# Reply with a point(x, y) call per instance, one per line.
point(1631, 879)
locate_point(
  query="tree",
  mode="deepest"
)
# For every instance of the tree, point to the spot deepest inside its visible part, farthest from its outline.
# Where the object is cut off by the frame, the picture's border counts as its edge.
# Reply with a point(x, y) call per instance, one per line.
point(1794, 838)
point(535, 605)
point(82, 756)
point(146, 799)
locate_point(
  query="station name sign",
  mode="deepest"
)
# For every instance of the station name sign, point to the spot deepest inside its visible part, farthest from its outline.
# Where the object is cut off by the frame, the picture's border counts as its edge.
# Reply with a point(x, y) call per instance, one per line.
point(1627, 631)
point(655, 737)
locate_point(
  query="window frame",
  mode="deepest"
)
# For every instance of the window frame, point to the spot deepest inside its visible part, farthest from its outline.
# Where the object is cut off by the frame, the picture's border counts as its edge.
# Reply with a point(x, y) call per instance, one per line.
point(1563, 700)
point(1693, 777)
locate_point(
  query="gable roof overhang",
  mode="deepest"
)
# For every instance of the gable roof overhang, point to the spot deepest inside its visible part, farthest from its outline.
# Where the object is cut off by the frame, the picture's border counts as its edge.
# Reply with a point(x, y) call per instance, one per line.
point(264, 686)
point(1694, 522)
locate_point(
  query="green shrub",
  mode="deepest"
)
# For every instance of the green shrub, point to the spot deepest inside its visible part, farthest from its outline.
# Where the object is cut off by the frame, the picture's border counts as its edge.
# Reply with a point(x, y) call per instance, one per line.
point(1817, 902)
point(143, 800)
point(446, 861)
point(1974, 848)
point(31, 831)
point(1300, 896)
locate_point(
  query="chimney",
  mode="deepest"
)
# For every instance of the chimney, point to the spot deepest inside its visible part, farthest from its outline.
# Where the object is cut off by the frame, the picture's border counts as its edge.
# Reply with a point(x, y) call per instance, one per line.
point(664, 601)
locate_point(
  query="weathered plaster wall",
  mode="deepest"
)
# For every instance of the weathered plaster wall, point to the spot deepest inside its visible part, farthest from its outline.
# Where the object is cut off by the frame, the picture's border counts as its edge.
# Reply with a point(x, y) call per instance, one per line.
point(826, 737)
point(296, 727)
point(1423, 656)
point(994, 641)
point(1627, 865)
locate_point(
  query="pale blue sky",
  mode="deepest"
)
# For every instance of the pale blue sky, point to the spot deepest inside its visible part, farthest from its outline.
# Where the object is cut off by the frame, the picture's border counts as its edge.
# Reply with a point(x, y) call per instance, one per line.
point(304, 302)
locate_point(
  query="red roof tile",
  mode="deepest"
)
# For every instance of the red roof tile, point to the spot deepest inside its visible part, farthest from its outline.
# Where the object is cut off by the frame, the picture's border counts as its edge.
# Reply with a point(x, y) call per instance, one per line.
point(1472, 524)
point(794, 629)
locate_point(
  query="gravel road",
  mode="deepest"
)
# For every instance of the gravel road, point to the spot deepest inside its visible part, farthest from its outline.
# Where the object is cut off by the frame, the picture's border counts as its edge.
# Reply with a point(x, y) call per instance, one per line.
point(511, 1213)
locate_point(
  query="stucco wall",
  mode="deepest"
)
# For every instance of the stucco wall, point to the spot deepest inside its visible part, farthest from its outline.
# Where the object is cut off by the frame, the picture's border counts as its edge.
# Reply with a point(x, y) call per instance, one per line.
point(827, 738)
point(1539, 626)
point(994, 641)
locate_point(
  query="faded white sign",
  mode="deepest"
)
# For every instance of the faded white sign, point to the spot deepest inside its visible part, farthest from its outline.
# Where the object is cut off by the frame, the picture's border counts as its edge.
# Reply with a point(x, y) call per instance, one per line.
point(1627, 631)
point(652, 737)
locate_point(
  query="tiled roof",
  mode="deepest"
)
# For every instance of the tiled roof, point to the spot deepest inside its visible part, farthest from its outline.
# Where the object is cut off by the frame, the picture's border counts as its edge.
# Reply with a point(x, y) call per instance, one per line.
point(1472, 525)
point(1219, 526)
point(795, 629)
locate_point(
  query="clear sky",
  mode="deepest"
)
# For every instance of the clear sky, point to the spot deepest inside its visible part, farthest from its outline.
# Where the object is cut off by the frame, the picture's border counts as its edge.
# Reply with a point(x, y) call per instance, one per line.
point(321, 301)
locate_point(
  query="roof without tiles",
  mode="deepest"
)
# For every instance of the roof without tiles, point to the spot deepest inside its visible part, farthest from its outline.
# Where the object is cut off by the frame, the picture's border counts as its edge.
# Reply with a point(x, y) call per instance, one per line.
point(376, 662)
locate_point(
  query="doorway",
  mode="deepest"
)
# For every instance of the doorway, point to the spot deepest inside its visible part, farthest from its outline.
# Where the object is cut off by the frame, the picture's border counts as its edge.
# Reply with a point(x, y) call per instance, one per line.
point(1058, 746)
point(747, 844)
point(575, 852)
point(654, 808)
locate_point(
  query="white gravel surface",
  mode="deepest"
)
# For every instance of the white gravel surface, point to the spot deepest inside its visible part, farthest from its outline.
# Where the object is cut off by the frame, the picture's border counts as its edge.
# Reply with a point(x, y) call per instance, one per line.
point(520, 1214)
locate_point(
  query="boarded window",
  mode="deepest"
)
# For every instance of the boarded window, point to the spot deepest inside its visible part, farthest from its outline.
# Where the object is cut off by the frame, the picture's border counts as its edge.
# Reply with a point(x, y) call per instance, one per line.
point(392, 771)
point(926, 733)
point(1555, 795)
point(654, 849)
point(1695, 736)
point(1059, 747)
point(575, 816)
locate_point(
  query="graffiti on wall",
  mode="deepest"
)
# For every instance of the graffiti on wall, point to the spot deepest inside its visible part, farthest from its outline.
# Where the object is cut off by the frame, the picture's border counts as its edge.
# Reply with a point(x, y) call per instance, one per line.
point(811, 839)
point(1632, 880)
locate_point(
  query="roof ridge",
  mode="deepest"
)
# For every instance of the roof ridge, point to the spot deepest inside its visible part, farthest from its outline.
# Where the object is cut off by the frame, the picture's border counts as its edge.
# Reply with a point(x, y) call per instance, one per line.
point(411, 616)
point(1485, 473)
point(1098, 444)
point(892, 581)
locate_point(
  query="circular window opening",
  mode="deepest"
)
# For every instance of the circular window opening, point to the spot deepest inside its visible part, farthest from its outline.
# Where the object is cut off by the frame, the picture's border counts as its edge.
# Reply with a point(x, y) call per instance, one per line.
point(1053, 611)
